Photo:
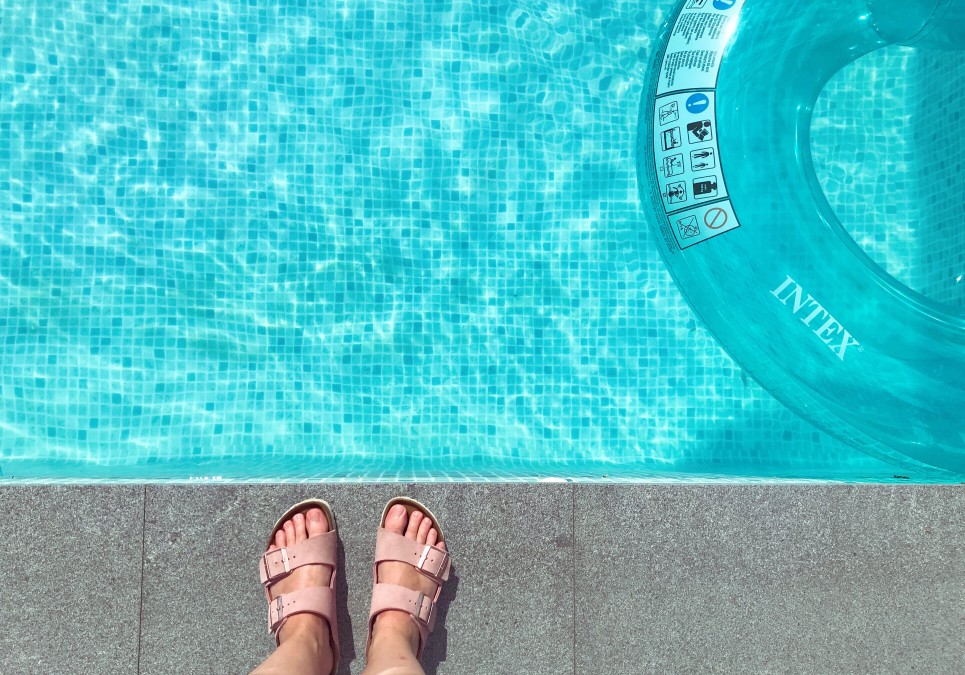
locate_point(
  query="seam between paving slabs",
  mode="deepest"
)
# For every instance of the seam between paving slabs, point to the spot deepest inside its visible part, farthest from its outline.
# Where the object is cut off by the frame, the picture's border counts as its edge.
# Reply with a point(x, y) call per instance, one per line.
point(140, 610)
point(573, 568)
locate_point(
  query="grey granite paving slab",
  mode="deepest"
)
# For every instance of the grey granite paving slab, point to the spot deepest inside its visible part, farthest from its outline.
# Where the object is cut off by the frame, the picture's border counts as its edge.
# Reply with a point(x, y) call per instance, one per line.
point(746, 579)
point(506, 609)
point(71, 564)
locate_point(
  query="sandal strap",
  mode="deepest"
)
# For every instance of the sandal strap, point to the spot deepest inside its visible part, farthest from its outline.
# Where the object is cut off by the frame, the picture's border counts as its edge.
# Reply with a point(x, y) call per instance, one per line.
point(419, 606)
point(431, 561)
point(314, 600)
point(279, 563)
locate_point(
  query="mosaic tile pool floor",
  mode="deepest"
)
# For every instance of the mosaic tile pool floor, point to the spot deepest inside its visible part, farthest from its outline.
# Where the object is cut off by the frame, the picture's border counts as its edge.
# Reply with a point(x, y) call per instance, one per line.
point(379, 241)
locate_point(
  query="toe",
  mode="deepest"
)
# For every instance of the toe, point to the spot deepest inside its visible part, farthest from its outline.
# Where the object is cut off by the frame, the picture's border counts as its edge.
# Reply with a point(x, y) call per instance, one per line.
point(298, 522)
point(432, 537)
point(424, 527)
point(289, 528)
point(317, 523)
point(415, 518)
point(395, 521)
point(280, 540)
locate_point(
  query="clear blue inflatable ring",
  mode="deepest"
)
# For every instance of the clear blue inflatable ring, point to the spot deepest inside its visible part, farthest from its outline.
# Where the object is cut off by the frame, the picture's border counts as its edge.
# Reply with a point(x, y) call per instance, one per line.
point(724, 172)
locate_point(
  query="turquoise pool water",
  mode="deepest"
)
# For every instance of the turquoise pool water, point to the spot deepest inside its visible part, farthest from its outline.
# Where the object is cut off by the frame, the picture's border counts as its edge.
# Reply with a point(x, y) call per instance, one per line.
point(393, 241)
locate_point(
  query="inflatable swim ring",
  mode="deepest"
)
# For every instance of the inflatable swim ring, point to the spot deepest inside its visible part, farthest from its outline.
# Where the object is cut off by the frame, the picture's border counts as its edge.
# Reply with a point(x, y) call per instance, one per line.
point(724, 169)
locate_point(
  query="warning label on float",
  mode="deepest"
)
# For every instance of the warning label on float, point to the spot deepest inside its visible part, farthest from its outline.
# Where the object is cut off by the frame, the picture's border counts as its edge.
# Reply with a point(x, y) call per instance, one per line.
point(685, 135)
point(696, 44)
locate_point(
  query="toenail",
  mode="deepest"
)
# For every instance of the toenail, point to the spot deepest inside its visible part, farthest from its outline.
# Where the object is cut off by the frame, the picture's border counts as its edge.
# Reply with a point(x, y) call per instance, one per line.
point(315, 516)
point(398, 511)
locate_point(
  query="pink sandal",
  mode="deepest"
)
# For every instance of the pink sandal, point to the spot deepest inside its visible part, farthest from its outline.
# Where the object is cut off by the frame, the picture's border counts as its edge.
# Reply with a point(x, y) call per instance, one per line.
point(278, 564)
point(431, 561)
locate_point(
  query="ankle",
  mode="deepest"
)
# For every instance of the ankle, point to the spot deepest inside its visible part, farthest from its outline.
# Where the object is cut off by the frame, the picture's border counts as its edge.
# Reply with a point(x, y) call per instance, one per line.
point(396, 625)
point(308, 627)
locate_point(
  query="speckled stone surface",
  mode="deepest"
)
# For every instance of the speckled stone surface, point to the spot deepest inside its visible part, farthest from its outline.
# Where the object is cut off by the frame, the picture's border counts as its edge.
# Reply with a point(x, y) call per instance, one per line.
point(820, 579)
point(546, 578)
point(71, 579)
point(506, 609)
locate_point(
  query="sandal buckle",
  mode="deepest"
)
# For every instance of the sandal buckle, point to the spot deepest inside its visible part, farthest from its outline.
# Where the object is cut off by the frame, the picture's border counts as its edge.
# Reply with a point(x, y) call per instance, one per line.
point(276, 612)
point(284, 561)
point(421, 603)
point(443, 563)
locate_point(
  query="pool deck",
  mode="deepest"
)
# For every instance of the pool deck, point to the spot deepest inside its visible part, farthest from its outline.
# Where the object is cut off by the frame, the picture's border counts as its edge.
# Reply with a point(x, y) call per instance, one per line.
point(547, 579)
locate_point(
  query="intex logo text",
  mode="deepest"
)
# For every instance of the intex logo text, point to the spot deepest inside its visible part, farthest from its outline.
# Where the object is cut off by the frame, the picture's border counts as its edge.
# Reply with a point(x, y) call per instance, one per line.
point(830, 332)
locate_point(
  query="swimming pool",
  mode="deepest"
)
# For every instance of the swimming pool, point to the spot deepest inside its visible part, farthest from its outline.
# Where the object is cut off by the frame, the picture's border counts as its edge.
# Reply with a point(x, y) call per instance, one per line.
point(397, 241)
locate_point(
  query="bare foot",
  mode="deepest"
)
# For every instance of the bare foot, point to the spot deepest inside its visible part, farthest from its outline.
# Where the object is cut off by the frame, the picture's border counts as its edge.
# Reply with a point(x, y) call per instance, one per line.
point(310, 523)
point(418, 528)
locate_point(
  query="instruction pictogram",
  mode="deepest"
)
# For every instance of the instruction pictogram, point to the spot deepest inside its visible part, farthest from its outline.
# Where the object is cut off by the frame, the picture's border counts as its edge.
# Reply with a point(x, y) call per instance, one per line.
point(688, 227)
point(698, 132)
point(673, 165)
point(676, 192)
point(705, 188)
point(715, 218)
point(703, 159)
point(669, 113)
point(671, 138)
point(697, 103)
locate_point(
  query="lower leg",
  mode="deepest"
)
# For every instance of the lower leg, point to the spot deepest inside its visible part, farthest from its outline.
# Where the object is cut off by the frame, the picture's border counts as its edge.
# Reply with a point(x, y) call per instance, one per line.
point(395, 642)
point(304, 649)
